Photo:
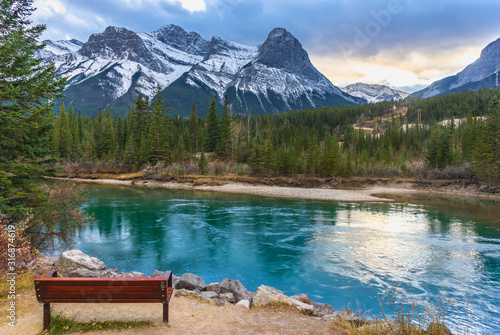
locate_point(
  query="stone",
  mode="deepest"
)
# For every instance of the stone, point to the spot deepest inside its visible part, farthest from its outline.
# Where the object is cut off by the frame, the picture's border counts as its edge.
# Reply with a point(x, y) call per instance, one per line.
point(302, 298)
point(130, 274)
point(71, 260)
point(209, 295)
point(175, 281)
point(157, 274)
point(346, 315)
point(235, 287)
point(320, 308)
point(82, 273)
point(214, 287)
point(190, 282)
point(185, 293)
point(229, 297)
point(244, 303)
point(109, 273)
point(267, 294)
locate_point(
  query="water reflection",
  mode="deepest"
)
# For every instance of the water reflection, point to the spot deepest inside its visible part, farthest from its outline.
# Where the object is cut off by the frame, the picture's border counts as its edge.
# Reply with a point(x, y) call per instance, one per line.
point(339, 253)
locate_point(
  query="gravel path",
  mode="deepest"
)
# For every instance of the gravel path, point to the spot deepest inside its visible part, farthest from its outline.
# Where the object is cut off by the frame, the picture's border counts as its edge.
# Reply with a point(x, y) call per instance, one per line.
point(187, 316)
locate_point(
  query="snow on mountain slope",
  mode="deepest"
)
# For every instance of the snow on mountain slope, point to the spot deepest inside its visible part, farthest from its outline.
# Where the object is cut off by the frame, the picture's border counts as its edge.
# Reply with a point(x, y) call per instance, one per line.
point(274, 77)
point(54, 48)
point(277, 76)
point(221, 63)
point(474, 75)
point(128, 53)
point(283, 69)
point(374, 92)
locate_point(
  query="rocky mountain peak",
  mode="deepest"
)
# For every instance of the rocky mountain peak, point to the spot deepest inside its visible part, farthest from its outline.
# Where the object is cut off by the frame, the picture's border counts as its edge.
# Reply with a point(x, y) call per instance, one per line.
point(76, 42)
point(178, 38)
point(492, 51)
point(374, 92)
point(115, 42)
point(282, 50)
point(219, 46)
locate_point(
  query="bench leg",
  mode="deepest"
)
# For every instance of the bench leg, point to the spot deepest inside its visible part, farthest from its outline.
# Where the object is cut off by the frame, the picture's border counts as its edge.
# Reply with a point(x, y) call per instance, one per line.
point(46, 315)
point(165, 312)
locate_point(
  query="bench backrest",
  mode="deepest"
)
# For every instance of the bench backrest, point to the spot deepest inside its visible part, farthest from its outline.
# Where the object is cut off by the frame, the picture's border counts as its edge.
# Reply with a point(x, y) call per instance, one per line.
point(94, 290)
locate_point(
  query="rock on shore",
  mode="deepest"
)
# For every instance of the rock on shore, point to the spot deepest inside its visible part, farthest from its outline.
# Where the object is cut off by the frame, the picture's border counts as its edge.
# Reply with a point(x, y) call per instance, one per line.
point(74, 263)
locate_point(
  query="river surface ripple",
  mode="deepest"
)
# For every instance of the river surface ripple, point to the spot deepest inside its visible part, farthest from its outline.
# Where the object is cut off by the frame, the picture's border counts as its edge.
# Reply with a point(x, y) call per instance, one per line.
point(363, 256)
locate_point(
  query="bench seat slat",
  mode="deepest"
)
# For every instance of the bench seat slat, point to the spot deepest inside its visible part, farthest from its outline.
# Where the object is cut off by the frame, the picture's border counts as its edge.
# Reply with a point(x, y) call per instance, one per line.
point(96, 282)
point(59, 300)
point(104, 295)
point(47, 289)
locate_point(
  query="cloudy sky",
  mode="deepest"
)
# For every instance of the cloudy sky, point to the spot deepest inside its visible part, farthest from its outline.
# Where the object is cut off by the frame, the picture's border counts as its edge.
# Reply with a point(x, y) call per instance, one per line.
point(406, 44)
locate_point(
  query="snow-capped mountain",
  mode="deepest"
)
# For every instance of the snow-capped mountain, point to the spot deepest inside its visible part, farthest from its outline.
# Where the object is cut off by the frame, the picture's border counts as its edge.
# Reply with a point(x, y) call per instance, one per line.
point(58, 48)
point(112, 67)
point(274, 77)
point(374, 92)
point(480, 74)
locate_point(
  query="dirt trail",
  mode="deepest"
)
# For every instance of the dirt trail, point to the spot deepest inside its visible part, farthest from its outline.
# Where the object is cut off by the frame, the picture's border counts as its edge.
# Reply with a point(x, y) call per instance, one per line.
point(187, 316)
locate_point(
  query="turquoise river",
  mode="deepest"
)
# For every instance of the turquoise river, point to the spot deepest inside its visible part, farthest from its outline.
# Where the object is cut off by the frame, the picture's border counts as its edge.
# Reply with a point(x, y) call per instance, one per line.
point(374, 258)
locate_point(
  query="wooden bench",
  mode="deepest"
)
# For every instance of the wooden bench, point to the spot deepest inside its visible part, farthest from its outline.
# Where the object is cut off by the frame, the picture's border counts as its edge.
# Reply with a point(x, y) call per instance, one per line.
point(51, 289)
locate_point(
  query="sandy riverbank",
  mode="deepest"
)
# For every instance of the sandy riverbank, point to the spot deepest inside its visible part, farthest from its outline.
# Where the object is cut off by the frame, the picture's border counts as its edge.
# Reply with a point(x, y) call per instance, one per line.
point(361, 195)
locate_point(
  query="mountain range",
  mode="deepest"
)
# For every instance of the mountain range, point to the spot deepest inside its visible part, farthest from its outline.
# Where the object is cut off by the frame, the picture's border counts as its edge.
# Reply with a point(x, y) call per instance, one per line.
point(374, 92)
point(112, 67)
point(480, 74)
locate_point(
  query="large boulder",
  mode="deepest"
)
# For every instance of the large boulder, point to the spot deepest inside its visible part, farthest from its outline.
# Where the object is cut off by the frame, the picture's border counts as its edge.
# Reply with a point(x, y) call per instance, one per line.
point(244, 303)
point(209, 295)
point(235, 287)
point(266, 295)
point(175, 279)
point(228, 297)
point(302, 298)
point(186, 293)
point(190, 282)
point(131, 274)
point(81, 272)
point(214, 287)
point(71, 260)
point(109, 273)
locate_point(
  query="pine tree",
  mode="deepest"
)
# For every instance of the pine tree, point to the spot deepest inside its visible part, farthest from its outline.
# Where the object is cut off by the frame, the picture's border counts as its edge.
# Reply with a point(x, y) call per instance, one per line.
point(26, 87)
point(64, 133)
point(445, 153)
point(225, 145)
point(130, 153)
point(158, 146)
point(312, 156)
point(106, 143)
point(468, 138)
point(431, 155)
point(193, 130)
point(212, 129)
point(202, 164)
point(74, 145)
point(487, 152)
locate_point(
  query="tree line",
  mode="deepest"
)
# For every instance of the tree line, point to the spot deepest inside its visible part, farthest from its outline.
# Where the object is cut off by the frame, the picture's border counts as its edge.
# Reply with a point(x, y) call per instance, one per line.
point(316, 142)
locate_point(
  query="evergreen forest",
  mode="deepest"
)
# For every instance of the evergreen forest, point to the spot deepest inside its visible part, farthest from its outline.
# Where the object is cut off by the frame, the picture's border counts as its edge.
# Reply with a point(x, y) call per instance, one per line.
point(450, 137)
